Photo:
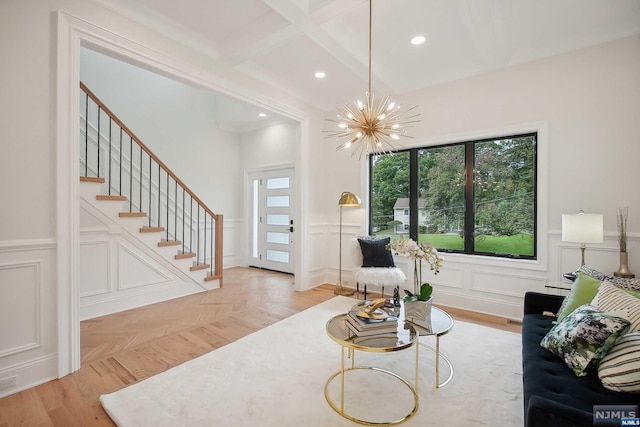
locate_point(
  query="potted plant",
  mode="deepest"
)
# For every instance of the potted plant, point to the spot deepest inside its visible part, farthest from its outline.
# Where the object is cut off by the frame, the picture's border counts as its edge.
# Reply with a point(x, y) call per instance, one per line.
point(424, 295)
point(417, 304)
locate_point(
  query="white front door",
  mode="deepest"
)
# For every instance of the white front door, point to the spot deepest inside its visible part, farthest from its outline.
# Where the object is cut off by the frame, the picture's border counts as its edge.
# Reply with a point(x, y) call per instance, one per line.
point(272, 225)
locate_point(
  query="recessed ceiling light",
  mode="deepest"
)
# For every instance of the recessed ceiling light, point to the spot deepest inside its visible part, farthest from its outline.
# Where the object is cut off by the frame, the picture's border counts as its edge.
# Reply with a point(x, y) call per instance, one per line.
point(418, 40)
point(262, 114)
point(320, 75)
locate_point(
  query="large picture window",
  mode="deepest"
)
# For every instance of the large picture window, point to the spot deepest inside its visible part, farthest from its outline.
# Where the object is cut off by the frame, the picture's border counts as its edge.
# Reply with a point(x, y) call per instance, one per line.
point(474, 197)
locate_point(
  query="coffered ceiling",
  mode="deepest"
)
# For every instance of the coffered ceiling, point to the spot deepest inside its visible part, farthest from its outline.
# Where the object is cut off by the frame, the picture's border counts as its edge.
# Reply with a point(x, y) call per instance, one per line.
point(284, 42)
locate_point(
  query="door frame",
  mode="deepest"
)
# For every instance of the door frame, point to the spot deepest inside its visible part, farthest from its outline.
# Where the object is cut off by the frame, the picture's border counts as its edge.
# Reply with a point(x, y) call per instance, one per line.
point(72, 32)
point(248, 210)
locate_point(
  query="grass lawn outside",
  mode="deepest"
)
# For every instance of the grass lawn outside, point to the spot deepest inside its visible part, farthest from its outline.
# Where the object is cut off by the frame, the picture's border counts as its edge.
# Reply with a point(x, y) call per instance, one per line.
point(520, 244)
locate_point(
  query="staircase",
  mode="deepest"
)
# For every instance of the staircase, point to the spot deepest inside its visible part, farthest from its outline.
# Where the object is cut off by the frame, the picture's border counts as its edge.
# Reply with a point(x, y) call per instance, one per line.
point(125, 185)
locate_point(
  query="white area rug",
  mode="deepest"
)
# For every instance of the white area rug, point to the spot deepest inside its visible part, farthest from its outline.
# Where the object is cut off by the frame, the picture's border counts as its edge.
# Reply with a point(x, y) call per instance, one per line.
point(276, 377)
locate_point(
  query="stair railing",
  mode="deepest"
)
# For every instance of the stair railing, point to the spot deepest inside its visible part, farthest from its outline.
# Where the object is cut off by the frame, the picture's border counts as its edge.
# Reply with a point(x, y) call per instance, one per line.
point(129, 168)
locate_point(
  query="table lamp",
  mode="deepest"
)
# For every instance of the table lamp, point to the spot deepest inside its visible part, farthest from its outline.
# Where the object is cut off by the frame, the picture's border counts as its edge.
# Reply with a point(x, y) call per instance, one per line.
point(582, 228)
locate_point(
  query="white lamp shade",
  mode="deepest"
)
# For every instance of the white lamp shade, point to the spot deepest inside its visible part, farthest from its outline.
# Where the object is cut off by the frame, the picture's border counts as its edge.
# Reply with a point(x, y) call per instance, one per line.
point(582, 228)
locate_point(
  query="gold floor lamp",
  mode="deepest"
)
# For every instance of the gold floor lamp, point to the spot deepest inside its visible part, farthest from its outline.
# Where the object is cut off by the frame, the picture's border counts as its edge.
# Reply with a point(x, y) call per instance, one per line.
point(346, 199)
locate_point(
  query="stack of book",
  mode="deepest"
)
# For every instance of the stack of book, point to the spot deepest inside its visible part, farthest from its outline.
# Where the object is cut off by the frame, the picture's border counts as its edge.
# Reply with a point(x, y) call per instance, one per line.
point(363, 326)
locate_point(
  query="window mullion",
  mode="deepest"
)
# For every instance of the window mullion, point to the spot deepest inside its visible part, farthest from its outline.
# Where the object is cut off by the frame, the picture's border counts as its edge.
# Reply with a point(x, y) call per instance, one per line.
point(469, 214)
point(413, 194)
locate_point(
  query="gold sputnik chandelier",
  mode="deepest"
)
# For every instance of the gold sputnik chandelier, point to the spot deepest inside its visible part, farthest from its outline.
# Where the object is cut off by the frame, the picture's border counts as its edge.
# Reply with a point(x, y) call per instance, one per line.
point(371, 126)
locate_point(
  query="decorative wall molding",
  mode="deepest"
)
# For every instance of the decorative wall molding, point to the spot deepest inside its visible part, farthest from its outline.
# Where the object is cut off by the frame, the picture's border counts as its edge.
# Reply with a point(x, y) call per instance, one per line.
point(480, 278)
point(34, 270)
point(96, 231)
point(122, 250)
point(27, 245)
point(107, 259)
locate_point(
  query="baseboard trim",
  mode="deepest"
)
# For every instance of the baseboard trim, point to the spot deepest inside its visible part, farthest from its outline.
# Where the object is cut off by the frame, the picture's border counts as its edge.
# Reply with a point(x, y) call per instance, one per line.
point(30, 373)
point(127, 301)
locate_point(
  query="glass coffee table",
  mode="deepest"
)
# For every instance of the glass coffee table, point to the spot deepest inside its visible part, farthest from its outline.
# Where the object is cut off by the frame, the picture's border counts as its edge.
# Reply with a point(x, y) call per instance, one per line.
point(440, 324)
point(405, 337)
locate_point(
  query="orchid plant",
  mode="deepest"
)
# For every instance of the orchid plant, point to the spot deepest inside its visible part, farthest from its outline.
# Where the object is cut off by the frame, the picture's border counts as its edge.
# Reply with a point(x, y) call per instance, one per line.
point(418, 252)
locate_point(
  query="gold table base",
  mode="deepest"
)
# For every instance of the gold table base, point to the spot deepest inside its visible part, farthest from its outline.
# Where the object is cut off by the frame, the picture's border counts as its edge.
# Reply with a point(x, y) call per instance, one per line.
point(341, 411)
point(439, 355)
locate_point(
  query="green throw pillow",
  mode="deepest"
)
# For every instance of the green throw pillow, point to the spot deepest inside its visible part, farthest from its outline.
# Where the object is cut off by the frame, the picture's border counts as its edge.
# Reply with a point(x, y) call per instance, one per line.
point(582, 292)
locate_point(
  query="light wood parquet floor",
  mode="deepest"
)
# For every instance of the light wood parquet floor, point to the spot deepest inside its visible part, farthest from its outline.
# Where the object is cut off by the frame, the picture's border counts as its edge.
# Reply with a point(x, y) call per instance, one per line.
point(124, 348)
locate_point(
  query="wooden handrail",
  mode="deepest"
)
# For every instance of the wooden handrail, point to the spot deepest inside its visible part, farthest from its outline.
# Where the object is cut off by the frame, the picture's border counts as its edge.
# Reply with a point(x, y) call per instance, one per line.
point(146, 149)
point(216, 273)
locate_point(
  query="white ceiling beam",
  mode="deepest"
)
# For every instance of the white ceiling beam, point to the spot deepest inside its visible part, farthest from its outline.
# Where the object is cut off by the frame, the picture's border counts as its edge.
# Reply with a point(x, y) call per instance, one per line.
point(311, 26)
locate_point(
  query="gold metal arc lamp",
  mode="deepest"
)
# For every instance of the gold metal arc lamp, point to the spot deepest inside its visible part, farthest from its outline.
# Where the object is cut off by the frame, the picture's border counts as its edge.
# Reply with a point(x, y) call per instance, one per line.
point(346, 199)
point(373, 125)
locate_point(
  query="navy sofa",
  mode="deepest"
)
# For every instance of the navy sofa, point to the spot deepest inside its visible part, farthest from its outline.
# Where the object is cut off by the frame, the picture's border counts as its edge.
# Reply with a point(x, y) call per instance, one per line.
point(553, 395)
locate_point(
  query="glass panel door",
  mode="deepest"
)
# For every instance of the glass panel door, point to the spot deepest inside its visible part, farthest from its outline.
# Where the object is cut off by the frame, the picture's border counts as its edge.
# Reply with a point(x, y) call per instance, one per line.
point(272, 229)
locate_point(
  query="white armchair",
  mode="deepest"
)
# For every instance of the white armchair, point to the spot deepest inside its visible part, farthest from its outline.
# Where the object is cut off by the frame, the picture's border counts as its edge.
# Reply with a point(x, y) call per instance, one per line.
point(375, 266)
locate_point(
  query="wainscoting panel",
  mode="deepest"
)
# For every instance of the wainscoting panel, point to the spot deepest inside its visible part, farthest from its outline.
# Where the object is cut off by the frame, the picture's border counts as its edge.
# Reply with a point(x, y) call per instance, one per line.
point(135, 270)
point(121, 268)
point(504, 283)
point(232, 246)
point(332, 251)
point(28, 319)
point(95, 274)
point(20, 309)
point(451, 277)
point(316, 252)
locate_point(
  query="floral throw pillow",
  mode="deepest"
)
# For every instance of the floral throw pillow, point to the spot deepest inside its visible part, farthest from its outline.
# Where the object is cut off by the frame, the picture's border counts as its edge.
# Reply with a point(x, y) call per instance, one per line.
point(584, 337)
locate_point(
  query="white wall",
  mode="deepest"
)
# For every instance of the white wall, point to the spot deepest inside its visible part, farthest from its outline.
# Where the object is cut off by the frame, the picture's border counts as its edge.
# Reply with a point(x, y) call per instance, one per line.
point(267, 147)
point(28, 336)
point(590, 102)
point(177, 122)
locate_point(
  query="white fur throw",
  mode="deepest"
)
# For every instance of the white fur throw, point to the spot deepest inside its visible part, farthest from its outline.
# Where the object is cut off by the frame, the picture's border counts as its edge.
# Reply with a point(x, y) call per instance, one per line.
point(380, 276)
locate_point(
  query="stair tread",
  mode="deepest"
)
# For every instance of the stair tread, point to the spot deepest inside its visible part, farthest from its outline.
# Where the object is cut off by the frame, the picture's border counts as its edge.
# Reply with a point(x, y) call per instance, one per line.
point(151, 229)
point(183, 255)
point(91, 179)
point(132, 214)
point(110, 197)
point(211, 277)
point(169, 243)
point(199, 267)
